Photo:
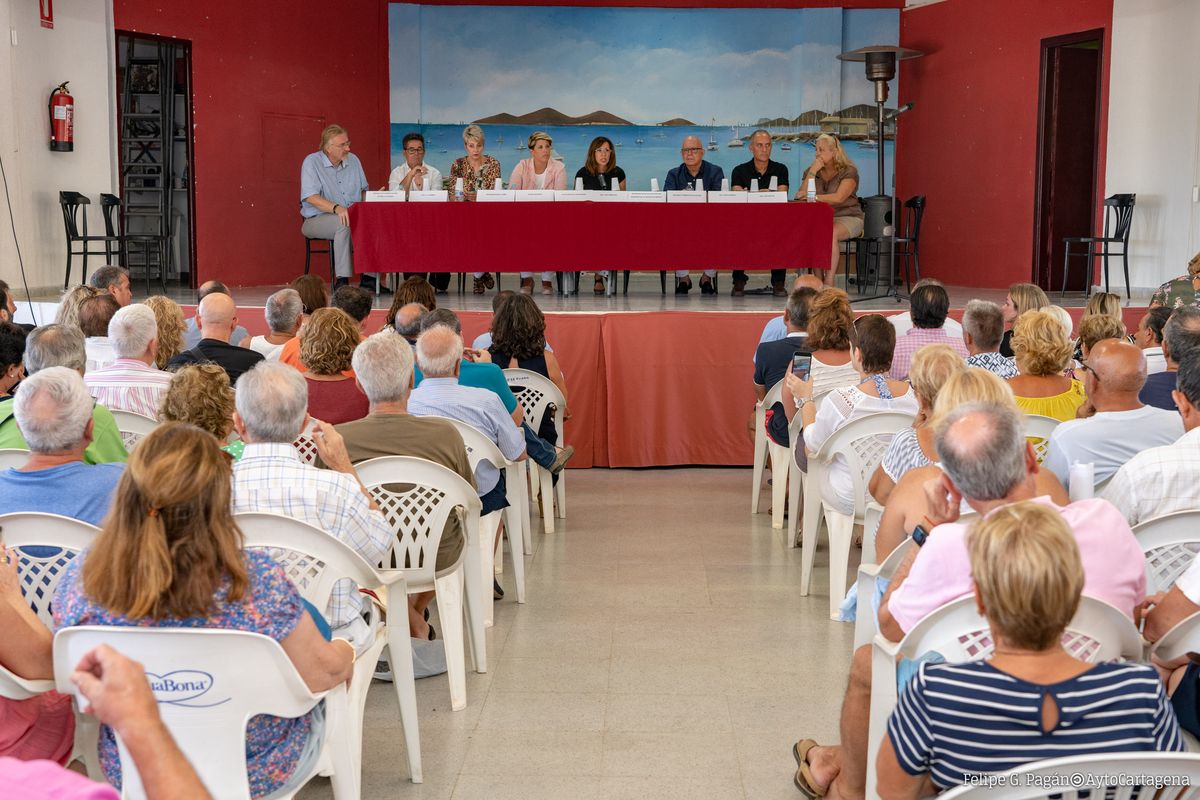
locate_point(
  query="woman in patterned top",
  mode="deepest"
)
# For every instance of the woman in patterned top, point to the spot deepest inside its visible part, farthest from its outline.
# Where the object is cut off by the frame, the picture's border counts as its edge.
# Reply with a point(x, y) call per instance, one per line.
point(1181, 291)
point(478, 171)
point(170, 555)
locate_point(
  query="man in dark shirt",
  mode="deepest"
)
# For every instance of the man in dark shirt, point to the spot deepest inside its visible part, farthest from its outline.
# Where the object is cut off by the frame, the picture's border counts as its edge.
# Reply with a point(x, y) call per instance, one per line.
point(773, 359)
point(762, 169)
point(216, 317)
point(1180, 334)
point(692, 174)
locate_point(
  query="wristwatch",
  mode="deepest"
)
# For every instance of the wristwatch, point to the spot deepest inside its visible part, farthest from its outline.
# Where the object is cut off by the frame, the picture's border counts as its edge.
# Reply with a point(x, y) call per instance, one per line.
point(801, 402)
point(919, 535)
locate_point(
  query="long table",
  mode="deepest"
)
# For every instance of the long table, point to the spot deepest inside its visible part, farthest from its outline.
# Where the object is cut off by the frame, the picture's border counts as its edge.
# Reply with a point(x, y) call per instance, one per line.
point(569, 236)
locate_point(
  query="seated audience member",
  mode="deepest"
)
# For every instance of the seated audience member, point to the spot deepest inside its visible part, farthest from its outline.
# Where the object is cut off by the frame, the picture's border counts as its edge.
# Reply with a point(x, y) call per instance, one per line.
point(1181, 333)
point(408, 322)
point(12, 353)
point(774, 359)
point(171, 326)
point(193, 333)
point(830, 331)
point(1149, 337)
point(327, 347)
point(72, 299)
point(871, 356)
point(1064, 319)
point(1163, 480)
point(62, 346)
point(1043, 353)
point(383, 367)
point(416, 290)
point(903, 322)
point(54, 411)
point(1021, 297)
point(989, 464)
point(313, 292)
point(912, 448)
point(1029, 576)
point(113, 281)
point(519, 342)
point(983, 328)
point(776, 327)
point(1093, 329)
point(1121, 426)
point(170, 556)
point(200, 395)
point(484, 340)
point(271, 413)
point(930, 304)
point(94, 315)
point(217, 317)
point(8, 307)
point(283, 313)
point(354, 300)
point(1181, 291)
point(131, 382)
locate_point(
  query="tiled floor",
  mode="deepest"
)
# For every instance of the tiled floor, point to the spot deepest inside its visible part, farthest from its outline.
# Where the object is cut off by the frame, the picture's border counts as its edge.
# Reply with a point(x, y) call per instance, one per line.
point(664, 652)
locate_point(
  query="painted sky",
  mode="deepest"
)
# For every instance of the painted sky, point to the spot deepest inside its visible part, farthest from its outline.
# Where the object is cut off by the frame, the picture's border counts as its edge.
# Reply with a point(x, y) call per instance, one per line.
point(459, 63)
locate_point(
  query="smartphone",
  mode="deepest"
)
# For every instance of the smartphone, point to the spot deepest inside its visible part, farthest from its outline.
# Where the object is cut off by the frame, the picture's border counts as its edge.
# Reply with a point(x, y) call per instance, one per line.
point(801, 365)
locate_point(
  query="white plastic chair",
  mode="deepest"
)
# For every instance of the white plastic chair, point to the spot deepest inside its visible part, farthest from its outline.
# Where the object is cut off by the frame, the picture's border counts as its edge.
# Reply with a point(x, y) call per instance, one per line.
point(536, 393)
point(865, 624)
point(230, 676)
point(418, 515)
point(862, 443)
point(1170, 543)
point(1178, 773)
point(13, 457)
point(481, 448)
point(305, 446)
point(1098, 632)
point(762, 442)
point(315, 561)
point(133, 427)
point(1037, 430)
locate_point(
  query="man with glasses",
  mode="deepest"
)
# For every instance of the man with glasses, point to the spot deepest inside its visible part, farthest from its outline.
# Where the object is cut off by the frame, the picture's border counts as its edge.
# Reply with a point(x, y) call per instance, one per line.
point(412, 175)
point(694, 173)
point(332, 180)
point(762, 169)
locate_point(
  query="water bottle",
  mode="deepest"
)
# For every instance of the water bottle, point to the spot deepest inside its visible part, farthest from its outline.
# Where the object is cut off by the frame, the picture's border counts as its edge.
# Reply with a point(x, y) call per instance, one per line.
point(458, 190)
point(812, 190)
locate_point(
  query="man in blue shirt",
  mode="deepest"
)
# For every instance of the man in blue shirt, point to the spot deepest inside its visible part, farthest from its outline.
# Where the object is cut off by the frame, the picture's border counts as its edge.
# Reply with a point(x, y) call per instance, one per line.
point(332, 180)
point(694, 174)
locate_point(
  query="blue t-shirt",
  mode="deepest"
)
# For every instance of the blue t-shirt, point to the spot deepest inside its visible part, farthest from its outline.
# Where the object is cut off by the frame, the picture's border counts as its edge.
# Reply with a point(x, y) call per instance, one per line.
point(1156, 391)
point(82, 491)
point(481, 376)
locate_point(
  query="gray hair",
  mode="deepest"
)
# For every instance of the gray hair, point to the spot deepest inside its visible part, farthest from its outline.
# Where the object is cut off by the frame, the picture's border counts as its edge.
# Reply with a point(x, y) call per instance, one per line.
point(444, 317)
point(383, 366)
point(132, 329)
point(408, 319)
point(107, 276)
point(986, 461)
point(1181, 333)
point(439, 351)
point(283, 310)
point(984, 320)
point(55, 346)
point(473, 132)
point(53, 408)
point(272, 400)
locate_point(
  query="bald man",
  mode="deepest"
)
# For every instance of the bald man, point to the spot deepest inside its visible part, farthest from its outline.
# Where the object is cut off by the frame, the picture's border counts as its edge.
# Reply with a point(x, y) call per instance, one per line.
point(191, 334)
point(216, 317)
point(1120, 426)
point(694, 173)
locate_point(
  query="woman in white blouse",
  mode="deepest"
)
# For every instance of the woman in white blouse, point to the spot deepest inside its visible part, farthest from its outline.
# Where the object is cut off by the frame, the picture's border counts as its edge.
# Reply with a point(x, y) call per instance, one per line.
point(871, 356)
point(830, 329)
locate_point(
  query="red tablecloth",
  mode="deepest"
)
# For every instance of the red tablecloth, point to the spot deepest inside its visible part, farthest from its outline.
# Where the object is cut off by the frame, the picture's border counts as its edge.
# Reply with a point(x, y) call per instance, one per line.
point(532, 237)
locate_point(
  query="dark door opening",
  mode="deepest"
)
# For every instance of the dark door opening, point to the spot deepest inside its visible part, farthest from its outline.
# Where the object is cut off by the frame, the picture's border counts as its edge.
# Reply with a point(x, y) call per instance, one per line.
point(1068, 134)
point(155, 145)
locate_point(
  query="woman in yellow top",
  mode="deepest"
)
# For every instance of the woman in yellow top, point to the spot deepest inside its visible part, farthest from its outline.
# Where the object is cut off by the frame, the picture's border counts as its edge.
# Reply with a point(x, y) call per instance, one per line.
point(1043, 351)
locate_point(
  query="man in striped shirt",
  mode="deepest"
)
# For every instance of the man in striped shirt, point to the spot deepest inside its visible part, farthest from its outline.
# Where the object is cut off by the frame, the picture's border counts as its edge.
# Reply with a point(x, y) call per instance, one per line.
point(930, 307)
point(131, 382)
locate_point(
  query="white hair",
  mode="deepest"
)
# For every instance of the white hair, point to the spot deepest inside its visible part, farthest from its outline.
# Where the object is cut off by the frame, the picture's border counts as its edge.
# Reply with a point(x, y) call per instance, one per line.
point(383, 366)
point(53, 408)
point(132, 329)
point(439, 351)
point(1063, 317)
point(272, 400)
point(283, 310)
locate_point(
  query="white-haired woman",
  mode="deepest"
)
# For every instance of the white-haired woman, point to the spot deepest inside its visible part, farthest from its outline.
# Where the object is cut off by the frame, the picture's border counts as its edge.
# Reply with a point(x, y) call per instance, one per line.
point(539, 171)
point(837, 181)
point(478, 171)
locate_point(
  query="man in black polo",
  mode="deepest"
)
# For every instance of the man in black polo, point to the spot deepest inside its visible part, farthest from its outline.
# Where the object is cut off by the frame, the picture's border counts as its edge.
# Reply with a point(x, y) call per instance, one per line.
point(773, 360)
point(760, 168)
point(216, 316)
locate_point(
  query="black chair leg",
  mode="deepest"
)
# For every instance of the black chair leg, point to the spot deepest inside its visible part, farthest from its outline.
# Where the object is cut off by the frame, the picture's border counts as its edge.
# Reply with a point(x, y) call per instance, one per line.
point(916, 255)
point(1125, 264)
point(83, 277)
point(626, 287)
point(67, 280)
point(307, 255)
point(1066, 267)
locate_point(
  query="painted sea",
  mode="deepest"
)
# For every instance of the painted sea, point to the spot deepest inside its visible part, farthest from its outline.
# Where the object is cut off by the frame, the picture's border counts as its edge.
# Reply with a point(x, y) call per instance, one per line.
point(644, 152)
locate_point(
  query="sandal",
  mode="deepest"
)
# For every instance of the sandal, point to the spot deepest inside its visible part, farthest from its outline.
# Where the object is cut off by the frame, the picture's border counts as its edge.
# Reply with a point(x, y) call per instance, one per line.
point(526, 285)
point(488, 280)
point(479, 286)
point(547, 287)
point(599, 287)
point(804, 778)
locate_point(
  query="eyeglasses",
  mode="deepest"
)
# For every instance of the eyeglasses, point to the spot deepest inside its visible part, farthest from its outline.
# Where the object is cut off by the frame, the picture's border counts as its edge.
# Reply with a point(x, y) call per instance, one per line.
point(345, 146)
point(693, 149)
point(414, 149)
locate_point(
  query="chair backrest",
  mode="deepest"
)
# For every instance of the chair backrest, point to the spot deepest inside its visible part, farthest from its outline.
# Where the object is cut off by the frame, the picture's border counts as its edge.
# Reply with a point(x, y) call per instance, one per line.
point(916, 210)
point(62, 538)
point(863, 443)
point(417, 497)
point(479, 446)
point(305, 446)
point(110, 204)
point(1037, 430)
point(1118, 209)
point(70, 202)
point(774, 394)
point(1170, 543)
point(133, 427)
point(1099, 772)
point(536, 393)
point(11, 457)
point(1183, 639)
point(208, 684)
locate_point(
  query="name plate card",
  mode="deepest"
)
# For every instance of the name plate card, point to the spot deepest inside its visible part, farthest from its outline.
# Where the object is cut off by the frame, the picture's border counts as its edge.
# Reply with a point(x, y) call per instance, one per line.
point(432, 196)
point(647, 197)
point(766, 197)
point(570, 195)
point(614, 196)
point(687, 196)
point(386, 197)
point(495, 196)
point(727, 197)
point(535, 196)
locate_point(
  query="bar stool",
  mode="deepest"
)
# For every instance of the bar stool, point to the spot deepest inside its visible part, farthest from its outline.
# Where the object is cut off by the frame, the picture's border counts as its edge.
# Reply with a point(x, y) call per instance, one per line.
point(310, 251)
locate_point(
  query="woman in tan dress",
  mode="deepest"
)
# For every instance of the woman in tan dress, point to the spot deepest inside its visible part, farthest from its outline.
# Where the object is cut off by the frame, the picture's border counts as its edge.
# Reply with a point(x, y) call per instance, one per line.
point(837, 182)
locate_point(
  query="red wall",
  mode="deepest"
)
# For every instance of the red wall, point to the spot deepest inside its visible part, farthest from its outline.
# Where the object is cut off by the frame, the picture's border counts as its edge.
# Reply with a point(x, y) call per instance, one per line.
point(970, 143)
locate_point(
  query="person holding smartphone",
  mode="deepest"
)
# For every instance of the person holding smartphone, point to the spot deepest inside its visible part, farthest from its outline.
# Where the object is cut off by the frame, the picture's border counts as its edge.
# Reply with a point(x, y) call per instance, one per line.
point(773, 360)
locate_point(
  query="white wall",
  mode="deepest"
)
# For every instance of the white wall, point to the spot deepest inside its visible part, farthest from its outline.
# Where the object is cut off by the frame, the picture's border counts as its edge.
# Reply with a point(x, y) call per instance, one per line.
point(1154, 132)
point(80, 48)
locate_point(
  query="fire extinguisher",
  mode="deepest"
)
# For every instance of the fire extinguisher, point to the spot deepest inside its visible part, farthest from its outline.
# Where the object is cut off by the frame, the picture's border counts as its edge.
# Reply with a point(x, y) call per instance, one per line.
point(62, 120)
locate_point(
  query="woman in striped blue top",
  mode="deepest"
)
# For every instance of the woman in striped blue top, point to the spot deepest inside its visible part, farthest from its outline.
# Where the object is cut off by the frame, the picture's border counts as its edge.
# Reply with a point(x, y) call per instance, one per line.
point(1031, 700)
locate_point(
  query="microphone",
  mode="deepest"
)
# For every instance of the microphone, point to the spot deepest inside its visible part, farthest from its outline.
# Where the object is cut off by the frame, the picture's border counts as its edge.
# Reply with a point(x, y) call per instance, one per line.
point(902, 109)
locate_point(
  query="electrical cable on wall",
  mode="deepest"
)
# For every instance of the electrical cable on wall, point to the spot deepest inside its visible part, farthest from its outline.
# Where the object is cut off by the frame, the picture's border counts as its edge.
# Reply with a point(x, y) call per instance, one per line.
point(20, 260)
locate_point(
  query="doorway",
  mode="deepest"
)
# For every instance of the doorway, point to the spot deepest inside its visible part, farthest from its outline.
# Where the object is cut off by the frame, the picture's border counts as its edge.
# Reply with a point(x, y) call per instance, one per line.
point(1068, 144)
point(155, 151)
